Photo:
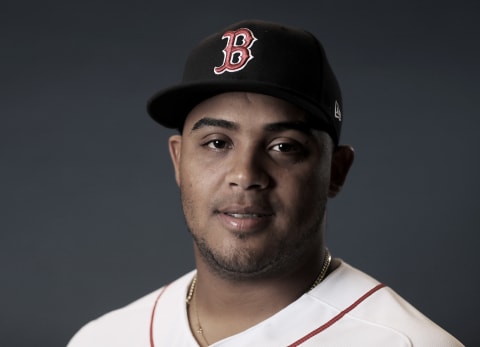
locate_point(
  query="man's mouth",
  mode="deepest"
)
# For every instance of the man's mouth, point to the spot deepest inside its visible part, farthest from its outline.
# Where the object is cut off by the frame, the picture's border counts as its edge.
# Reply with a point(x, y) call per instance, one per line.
point(241, 218)
point(247, 215)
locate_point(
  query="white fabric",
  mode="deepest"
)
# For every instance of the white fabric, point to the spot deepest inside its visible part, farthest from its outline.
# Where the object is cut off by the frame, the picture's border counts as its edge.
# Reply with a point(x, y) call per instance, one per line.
point(382, 319)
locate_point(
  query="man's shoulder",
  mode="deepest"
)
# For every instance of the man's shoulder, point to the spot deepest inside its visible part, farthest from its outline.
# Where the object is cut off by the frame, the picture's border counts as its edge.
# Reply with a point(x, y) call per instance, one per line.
point(364, 302)
point(128, 324)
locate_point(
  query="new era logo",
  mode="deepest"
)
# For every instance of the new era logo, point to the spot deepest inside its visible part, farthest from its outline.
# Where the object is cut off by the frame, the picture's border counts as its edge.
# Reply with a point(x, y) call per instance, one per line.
point(338, 112)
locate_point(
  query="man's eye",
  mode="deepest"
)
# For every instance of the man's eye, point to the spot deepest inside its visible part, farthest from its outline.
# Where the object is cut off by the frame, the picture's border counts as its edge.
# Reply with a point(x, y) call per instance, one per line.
point(285, 147)
point(217, 144)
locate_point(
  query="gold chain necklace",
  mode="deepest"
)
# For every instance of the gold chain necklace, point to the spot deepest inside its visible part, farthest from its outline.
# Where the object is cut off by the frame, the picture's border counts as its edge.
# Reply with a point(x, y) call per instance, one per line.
point(191, 291)
point(326, 264)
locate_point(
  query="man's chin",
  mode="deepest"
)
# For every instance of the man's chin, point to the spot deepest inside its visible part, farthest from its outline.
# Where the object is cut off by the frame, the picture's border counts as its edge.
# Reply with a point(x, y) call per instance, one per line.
point(242, 266)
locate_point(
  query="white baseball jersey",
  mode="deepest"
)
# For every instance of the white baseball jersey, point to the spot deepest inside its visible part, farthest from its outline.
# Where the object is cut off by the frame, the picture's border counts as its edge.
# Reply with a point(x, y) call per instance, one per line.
point(349, 308)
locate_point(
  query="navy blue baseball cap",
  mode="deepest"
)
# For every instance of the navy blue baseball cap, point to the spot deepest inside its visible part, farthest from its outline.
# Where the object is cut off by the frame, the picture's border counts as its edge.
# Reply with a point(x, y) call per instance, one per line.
point(259, 57)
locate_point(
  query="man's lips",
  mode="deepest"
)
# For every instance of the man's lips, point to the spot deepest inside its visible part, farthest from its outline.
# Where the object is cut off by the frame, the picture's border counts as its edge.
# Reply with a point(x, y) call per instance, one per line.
point(245, 219)
point(247, 215)
point(251, 211)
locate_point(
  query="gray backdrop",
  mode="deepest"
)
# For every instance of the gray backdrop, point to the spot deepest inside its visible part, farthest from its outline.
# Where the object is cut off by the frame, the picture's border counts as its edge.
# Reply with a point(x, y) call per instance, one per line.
point(90, 215)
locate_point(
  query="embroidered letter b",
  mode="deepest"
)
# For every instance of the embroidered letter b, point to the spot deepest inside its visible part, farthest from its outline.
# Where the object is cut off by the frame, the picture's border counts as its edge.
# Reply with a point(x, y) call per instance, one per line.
point(237, 53)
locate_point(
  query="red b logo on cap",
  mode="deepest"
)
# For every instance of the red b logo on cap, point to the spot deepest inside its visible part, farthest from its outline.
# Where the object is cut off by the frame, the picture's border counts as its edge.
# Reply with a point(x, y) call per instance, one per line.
point(236, 55)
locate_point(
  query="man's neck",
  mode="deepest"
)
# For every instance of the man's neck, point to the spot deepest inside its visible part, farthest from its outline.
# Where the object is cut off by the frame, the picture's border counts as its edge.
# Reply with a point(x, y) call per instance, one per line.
point(223, 306)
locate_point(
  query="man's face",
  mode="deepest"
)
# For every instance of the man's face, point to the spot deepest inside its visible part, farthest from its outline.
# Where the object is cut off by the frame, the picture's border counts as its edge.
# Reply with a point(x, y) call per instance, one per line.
point(254, 180)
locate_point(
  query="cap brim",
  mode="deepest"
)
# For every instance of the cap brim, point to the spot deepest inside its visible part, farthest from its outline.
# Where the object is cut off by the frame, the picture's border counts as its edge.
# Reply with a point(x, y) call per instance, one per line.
point(171, 106)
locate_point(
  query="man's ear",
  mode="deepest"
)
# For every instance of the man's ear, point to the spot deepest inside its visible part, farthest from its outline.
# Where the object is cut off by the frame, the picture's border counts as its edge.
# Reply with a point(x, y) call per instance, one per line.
point(175, 148)
point(342, 159)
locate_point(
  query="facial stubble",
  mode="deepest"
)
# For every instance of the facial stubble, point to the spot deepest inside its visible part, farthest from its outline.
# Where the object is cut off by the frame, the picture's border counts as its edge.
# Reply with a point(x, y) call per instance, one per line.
point(242, 262)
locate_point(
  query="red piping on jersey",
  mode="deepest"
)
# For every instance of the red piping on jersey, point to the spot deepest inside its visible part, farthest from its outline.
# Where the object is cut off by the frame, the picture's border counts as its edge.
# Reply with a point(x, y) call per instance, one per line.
point(337, 317)
point(153, 315)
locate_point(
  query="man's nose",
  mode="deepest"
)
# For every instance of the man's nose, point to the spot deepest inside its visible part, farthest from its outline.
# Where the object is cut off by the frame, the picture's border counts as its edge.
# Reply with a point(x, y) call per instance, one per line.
point(248, 170)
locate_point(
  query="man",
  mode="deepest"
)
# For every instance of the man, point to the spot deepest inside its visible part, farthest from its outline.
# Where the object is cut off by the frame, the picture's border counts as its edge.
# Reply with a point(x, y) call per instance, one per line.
point(259, 113)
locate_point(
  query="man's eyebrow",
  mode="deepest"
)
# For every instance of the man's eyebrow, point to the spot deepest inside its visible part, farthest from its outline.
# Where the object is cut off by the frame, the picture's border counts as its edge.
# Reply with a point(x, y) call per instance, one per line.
point(214, 122)
point(300, 126)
